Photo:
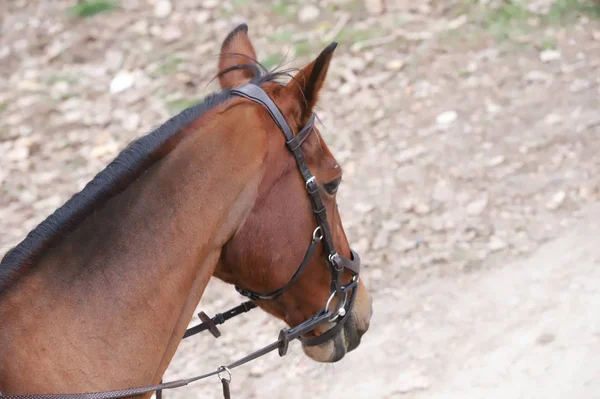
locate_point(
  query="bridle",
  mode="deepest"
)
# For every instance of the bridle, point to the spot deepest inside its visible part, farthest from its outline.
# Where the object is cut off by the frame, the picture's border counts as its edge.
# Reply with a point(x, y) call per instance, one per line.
point(321, 235)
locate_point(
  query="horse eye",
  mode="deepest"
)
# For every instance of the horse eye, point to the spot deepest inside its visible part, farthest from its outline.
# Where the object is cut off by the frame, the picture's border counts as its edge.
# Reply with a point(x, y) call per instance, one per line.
point(332, 186)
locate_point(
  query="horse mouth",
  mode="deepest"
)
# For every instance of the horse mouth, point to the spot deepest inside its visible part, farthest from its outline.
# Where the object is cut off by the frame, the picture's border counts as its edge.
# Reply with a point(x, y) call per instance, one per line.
point(335, 348)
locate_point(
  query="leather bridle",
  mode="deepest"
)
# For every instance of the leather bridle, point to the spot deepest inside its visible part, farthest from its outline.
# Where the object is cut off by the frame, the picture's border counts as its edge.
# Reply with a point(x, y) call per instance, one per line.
point(321, 235)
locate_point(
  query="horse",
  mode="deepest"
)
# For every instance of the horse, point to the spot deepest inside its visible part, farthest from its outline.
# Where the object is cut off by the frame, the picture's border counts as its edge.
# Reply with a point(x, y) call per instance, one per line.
point(98, 296)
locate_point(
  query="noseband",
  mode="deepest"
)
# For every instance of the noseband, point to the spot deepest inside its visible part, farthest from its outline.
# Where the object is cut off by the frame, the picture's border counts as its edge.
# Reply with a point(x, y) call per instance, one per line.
point(321, 235)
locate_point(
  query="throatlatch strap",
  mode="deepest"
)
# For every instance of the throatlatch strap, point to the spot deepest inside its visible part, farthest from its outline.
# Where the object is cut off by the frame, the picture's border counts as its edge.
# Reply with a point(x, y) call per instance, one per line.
point(272, 295)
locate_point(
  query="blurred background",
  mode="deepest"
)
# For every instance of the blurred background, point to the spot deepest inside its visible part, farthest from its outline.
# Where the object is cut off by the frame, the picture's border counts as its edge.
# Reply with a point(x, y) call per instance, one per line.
point(469, 132)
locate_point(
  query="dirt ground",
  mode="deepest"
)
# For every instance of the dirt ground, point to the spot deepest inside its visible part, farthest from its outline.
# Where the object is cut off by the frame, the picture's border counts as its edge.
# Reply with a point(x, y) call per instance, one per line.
point(469, 133)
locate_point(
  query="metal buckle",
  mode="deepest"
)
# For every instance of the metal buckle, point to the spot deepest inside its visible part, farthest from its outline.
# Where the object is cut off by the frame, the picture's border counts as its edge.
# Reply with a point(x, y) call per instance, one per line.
point(312, 180)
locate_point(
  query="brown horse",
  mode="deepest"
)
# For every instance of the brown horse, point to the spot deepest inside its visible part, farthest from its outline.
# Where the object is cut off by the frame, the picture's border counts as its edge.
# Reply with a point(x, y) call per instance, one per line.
point(98, 296)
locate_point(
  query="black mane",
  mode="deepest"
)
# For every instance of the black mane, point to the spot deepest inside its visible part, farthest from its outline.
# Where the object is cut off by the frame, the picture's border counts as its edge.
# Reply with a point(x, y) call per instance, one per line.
point(122, 171)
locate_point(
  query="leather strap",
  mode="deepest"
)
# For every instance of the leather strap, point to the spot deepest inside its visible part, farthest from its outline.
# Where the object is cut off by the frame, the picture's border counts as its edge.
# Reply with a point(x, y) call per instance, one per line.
point(220, 318)
point(272, 295)
point(302, 135)
point(226, 392)
point(258, 95)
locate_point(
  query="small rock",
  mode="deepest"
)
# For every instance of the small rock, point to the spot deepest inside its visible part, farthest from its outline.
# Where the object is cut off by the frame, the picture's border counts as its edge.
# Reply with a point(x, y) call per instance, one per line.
point(171, 33)
point(495, 161)
point(587, 192)
point(421, 209)
point(538, 76)
point(491, 107)
point(376, 273)
point(410, 381)
point(382, 240)
point(545, 339)
point(345, 89)
point(356, 64)
point(29, 85)
point(409, 154)
point(496, 244)
point(404, 245)
point(202, 17)
point(394, 65)
point(579, 85)
point(442, 192)
point(59, 89)
point(471, 67)
point(391, 225)
point(457, 22)
point(446, 118)
point(108, 149)
point(549, 55)
point(438, 225)
point(131, 122)
point(258, 369)
point(210, 4)
point(162, 8)
point(113, 60)
point(18, 154)
point(363, 207)
point(308, 13)
point(477, 207)
point(140, 27)
point(362, 245)
point(374, 6)
point(121, 82)
point(556, 201)
point(4, 51)
point(552, 119)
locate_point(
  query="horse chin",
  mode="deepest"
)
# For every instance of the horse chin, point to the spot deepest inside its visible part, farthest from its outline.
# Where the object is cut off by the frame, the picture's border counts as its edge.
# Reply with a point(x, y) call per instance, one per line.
point(334, 349)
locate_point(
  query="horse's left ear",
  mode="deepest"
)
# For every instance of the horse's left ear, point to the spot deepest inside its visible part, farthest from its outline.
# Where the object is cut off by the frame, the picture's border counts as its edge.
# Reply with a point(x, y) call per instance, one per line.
point(308, 81)
point(237, 54)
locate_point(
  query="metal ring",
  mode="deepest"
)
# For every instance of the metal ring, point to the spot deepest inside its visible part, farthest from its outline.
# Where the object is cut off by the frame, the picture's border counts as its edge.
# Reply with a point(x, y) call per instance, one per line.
point(220, 370)
point(337, 312)
point(329, 301)
point(319, 237)
point(331, 298)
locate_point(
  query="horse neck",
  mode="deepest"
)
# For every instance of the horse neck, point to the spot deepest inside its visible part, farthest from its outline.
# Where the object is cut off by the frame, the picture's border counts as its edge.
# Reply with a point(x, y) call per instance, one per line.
point(107, 308)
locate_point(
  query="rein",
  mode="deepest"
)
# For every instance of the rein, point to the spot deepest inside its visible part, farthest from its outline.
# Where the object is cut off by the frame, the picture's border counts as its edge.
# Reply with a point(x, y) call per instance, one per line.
point(321, 235)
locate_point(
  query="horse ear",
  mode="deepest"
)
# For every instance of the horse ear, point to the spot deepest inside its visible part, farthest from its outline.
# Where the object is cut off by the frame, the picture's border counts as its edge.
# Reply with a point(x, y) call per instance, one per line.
point(237, 54)
point(308, 81)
